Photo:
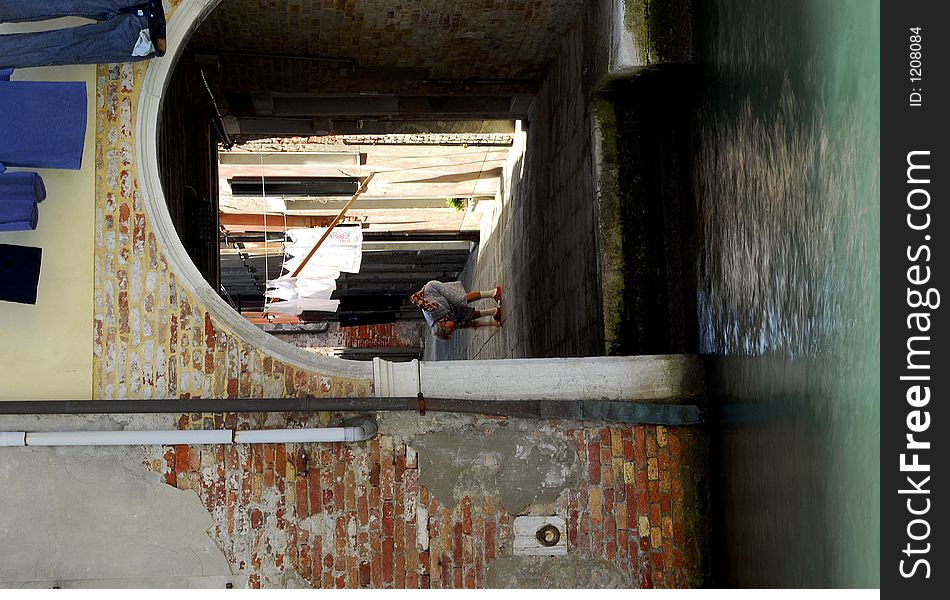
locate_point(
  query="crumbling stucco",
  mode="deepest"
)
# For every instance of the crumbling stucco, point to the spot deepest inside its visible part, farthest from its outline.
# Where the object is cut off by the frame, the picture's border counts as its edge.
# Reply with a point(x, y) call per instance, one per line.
point(517, 464)
point(81, 513)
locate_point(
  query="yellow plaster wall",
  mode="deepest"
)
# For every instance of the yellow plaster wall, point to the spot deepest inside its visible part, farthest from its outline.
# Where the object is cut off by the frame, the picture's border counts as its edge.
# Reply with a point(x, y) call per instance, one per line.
point(46, 349)
point(112, 319)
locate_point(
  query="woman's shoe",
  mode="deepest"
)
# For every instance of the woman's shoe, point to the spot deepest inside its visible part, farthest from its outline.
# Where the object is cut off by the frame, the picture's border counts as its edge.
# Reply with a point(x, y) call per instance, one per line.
point(497, 295)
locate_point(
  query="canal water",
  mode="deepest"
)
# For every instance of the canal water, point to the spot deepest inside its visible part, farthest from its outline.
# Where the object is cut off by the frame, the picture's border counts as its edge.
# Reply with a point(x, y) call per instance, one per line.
point(785, 180)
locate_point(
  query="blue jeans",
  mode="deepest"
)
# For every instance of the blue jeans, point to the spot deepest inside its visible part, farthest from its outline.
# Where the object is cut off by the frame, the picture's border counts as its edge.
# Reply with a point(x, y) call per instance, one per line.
point(111, 39)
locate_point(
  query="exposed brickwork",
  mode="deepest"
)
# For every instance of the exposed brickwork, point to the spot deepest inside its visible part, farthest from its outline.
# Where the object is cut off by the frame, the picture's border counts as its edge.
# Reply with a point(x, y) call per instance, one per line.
point(337, 515)
point(354, 515)
point(402, 334)
point(152, 338)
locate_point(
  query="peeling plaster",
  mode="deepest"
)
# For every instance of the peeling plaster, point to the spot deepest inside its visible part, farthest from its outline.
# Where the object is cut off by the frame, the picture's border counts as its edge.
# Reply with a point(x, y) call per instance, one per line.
point(80, 513)
point(513, 461)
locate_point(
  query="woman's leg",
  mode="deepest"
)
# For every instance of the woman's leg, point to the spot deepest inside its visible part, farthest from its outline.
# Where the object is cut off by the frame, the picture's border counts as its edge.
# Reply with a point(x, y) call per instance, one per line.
point(476, 323)
point(494, 294)
point(485, 314)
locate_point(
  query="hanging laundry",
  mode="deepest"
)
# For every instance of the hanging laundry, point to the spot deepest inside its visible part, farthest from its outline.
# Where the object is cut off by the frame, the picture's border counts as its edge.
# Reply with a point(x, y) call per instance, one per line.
point(19, 273)
point(291, 288)
point(311, 288)
point(125, 30)
point(19, 194)
point(296, 307)
point(42, 123)
point(343, 249)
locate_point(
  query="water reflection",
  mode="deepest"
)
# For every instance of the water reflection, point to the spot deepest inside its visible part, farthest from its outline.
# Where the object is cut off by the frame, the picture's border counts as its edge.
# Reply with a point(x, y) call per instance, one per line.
point(786, 182)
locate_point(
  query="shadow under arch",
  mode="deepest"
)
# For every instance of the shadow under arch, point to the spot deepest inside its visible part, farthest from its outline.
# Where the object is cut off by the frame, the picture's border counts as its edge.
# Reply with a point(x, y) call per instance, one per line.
point(185, 19)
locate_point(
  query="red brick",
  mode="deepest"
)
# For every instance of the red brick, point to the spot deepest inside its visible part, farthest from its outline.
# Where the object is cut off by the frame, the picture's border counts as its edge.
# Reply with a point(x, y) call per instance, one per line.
point(678, 538)
point(457, 578)
point(640, 478)
point(665, 480)
point(593, 464)
point(313, 492)
point(362, 507)
point(412, 580)
point(181, 458)
point(645, 544)
point(387, 563)
point(400, 466)
point(627, 437)
point(597, 541)
point(676, 489)
point(457, 543)
point(300, 494)
point(605, 437)
point(300, 461)
point(610, 549)
point(257, 518)
point(424, 582)
point(664, 458)
point(678, 560)
point(269, 477)
point(646, 580)
point(388, 518)
point(467, 515)
point(639, 445)
point(656, 559)
point(339, 497)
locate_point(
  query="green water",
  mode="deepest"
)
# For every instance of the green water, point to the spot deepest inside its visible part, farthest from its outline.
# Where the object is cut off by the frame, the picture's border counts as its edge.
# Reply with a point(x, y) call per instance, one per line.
point(785, 177)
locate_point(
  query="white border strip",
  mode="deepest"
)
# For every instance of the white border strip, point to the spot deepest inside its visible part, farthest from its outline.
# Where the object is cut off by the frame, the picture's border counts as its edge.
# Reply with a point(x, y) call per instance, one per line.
point(184, 20)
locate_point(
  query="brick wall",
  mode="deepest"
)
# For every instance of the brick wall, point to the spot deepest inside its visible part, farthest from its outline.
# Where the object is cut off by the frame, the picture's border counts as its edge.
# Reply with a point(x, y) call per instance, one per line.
point(331, 515)
point(356, 516)
point(394, 46)
point(153, 339)
point(402, 334)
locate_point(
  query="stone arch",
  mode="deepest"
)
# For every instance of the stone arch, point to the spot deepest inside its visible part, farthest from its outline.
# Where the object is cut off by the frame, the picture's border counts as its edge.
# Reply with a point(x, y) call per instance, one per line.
point(181, 23)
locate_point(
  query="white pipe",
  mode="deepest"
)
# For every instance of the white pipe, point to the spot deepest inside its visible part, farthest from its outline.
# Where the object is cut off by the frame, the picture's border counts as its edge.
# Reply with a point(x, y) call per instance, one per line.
point(128, 438)
point(282, 436)
point(364, 431)
point(12, 438)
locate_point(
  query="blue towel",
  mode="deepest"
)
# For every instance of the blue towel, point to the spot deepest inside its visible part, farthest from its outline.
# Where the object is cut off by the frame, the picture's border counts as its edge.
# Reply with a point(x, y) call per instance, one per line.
point(19, 273)
point(42, 123)
point(19, 194)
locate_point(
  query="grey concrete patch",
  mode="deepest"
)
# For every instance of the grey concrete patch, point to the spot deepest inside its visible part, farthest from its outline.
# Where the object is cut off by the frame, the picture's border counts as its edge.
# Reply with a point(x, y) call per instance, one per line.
point(81, 513)
point(518, 465)
point(554, 572)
